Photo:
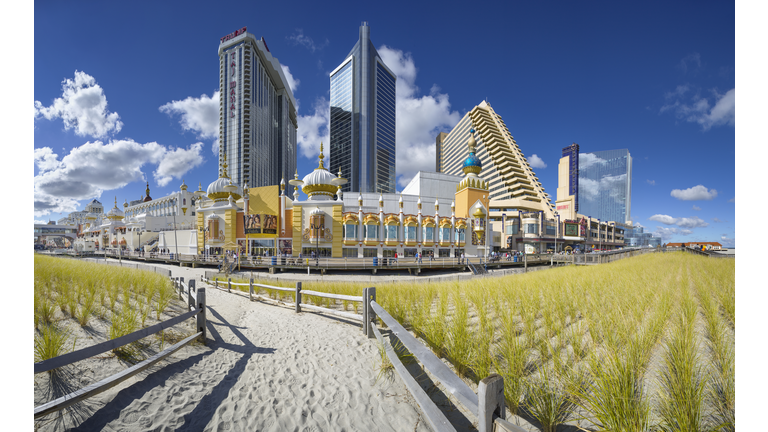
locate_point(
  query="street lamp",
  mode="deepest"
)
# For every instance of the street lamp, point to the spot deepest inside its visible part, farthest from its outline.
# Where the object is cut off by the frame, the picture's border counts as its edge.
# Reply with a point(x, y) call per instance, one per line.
point(316, 225)
point(203, 230)
point(557, 229)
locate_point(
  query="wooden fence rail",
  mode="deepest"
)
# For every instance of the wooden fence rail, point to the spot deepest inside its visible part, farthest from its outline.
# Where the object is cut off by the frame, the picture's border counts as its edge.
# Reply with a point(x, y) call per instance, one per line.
point(198, 309)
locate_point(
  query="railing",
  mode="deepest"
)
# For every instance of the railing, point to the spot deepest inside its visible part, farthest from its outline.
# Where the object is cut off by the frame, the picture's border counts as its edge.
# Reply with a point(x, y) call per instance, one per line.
point(298, 293)
point(197, 306)
point(488, 405)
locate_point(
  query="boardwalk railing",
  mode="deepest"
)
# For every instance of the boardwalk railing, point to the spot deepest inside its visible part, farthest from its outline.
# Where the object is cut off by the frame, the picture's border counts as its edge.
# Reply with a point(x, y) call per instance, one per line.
point(198, 309)
point(297, 297)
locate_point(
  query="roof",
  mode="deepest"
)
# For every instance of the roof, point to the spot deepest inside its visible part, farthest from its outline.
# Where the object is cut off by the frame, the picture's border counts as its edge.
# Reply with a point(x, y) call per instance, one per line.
point(693, 243)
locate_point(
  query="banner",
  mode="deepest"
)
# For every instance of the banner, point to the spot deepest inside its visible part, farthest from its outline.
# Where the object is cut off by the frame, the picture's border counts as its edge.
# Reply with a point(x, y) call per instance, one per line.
point(269, 224)
point(260, 224)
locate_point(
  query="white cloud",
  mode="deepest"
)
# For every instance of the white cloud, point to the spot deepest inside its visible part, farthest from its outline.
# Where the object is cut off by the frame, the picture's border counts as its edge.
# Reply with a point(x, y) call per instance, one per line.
point(536, 161)
point(95, 167)
point(727, 242)
point(178, 162)
point(716, 220)
point(694, 222)
point(588, 188)
point(292, 82)
point(686, 232)
point(419, 118)
point(696, 193)
point(697, 208)
point(199, 115)
point(733, 200)
point(586, 160)
point(651, 182)
point(698, 110)
point(83, 107)
point(41, 221)
point(666, 233)
point(692, 59)
point(298, 38)
point(314, 129)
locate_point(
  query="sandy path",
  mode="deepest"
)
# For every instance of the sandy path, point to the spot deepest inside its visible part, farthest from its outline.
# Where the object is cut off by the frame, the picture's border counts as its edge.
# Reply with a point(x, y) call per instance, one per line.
point(264, 368)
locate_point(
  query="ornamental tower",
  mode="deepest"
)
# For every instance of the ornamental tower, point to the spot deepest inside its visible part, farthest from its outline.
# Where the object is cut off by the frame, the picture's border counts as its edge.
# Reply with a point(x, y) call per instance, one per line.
point(257, 112)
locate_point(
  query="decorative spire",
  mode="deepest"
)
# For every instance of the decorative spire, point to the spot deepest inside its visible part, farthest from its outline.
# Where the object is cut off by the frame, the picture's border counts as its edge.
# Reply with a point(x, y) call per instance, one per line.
point(224, 166)
point(320, 165)
point(147, 188)
point(183, 185)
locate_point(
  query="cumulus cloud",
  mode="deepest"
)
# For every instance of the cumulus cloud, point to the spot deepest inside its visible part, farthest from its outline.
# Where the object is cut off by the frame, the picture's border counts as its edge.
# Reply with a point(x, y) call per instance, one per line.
point(590, 189)
point(293, 83)
point(83, 107)
point(694, 222)
point(690, 61)
point(733, 200)
point(313, 129)
point(586, 160)
point(651, 182)
point(716, 220)
point(199, 115)
point(697, 109)
point(696, 193)
point(697, 208)
point(95, 167)
point(666, 233)
point(727, 242)
point(419, 118)
point(298, 38)
point(536, 161)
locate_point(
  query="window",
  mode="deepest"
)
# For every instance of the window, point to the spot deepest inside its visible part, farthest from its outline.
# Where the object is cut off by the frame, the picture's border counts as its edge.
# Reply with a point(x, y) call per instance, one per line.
point(445, 234)
point(372, 231)
point(369, 252)
point(349, 252)
point(429, 234)
point(459, 235)
point(410, 233)
point(512, 229)
point(531, 228)
point(350, 232)
point(391, 232)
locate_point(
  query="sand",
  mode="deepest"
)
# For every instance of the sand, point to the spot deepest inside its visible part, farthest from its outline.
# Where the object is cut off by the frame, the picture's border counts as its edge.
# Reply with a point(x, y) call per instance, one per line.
point(264, 368)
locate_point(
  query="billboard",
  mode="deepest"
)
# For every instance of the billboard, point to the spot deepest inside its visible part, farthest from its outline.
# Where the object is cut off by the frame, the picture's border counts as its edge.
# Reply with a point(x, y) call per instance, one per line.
point(260, 224)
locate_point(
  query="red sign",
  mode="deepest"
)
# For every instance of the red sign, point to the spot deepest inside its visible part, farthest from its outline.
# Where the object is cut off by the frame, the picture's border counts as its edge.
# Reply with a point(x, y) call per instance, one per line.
point(233, 34)
point(561, 207)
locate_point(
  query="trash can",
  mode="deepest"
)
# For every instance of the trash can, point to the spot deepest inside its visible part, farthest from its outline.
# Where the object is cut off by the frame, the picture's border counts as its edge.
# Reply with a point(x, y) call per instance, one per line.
point(274, 260)
point(515, 259)
point(375, 261)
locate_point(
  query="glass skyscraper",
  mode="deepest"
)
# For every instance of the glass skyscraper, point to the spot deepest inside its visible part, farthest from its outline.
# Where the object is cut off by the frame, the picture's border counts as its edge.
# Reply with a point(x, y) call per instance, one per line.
point(363, 119)
point(257, 114)
point(605, 185)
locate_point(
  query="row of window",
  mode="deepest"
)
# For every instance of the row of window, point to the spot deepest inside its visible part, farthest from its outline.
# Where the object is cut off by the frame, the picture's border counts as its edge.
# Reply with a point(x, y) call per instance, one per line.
point(391, 233)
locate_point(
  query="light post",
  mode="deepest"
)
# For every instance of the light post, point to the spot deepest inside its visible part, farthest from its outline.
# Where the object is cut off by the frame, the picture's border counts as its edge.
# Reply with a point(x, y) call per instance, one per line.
point(175, 237)
point(557, 229)
point(203, 230)
point(316, 226)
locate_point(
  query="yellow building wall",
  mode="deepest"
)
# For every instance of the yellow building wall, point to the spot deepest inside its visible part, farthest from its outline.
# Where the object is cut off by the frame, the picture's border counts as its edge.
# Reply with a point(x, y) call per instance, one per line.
point(199, 216)
point(264, 200)
point(466, 197)
point(337, 232)
point(229, 226)
point(288, 222)
point(296, 228)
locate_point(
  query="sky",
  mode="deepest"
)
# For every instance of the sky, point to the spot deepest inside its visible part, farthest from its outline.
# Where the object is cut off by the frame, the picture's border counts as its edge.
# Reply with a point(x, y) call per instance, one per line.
point(127, 93)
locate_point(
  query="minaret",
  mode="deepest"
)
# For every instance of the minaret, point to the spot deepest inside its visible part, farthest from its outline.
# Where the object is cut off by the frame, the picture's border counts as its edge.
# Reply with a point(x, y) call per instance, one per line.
point(419, 229)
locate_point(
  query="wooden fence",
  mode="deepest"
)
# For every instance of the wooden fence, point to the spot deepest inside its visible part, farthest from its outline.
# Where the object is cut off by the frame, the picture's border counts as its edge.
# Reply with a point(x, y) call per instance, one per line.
point(197, 309)
point(488, 405)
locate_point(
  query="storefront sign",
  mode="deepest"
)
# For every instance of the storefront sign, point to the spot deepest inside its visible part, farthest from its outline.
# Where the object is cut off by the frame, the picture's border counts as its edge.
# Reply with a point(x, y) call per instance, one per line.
point(563, 207)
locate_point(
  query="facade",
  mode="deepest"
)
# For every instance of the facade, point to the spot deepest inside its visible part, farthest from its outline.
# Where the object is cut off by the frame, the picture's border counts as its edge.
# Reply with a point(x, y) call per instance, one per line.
point(433, 184)
point(636, 237)
point(438, 150)
point(605, 185)
point(257, 114)
point(362, 129)
point(512, 182)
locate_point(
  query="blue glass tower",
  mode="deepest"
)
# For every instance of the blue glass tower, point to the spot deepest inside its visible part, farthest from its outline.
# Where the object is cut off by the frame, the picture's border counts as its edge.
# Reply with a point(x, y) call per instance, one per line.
point(363, 119)
point(605, 185)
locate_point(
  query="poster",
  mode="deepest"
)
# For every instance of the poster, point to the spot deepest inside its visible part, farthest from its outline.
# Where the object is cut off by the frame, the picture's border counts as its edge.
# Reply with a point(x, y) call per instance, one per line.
point(571, 230)
point(269, 224)
point(252, 223)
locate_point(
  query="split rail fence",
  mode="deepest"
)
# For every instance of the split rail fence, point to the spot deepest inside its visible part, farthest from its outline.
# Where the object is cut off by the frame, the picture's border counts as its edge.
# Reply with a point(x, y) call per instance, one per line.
point(488, 404)
point(196, 301)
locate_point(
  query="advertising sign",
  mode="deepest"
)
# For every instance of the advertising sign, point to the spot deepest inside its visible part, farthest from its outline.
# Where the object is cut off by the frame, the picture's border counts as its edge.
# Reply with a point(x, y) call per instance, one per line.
point(252, 223)
point(571, 230)
point(269, 224)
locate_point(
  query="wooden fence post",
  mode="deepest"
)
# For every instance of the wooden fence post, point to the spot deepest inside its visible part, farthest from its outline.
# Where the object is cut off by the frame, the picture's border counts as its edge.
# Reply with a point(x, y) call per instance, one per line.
point(250, 289)
point(229, 284)
point(365, 311)
point(490, 401)
point(298, 297)
point(371, 313)
point(200, 294)
point(190, 299)
point(181, 287)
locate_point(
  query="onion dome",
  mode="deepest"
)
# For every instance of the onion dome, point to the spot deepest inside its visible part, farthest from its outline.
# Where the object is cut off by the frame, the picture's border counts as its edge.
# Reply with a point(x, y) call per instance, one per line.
point(125, 204)
point(479, 213)
point(320, 184)
point(220, 189)
point(147, 198)
point(115, 213)
point(183, 185)
point(316, 212)
point(472, 164)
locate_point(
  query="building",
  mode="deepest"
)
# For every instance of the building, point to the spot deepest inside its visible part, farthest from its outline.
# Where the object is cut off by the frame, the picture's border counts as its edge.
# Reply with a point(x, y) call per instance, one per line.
point(634, 236)
point(698, 245)
point(605, 185)
point(257, 114)
point(438, 150)
point(433, 185)
point(362, 130)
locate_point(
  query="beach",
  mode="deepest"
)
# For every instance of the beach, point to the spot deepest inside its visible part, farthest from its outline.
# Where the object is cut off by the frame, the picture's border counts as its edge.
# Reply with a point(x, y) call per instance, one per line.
point(264, 367)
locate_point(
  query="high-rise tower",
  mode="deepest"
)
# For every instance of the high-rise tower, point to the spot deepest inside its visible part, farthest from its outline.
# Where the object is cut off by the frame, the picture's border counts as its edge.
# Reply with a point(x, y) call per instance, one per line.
point(257, 113)
point(605, 185)
point(363, 119)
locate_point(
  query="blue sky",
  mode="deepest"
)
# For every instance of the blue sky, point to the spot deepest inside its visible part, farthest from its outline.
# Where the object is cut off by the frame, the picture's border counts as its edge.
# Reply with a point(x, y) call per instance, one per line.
point(657, 78)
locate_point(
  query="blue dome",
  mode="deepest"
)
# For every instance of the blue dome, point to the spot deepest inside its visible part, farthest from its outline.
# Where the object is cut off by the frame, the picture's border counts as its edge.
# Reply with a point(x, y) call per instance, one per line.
point(472, 161)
